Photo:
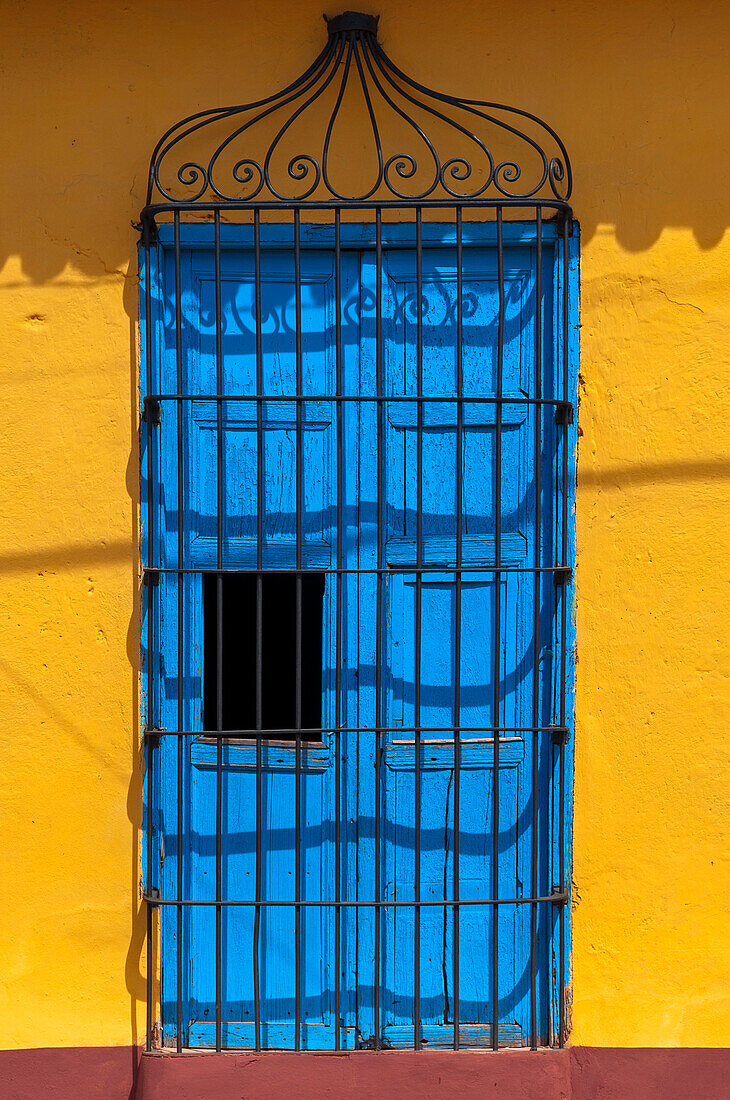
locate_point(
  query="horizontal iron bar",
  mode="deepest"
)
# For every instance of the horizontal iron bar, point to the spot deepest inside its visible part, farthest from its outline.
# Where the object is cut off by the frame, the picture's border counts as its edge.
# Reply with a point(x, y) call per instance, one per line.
point(390, 569)
point(442, 904)
point(415, 399)
point(560, 206)
point(266, 734)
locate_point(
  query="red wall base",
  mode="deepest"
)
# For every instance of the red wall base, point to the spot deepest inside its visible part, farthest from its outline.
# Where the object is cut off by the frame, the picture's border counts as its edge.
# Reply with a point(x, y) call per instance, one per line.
point(518, 1075)
point(649, 1073)
point(578, 1073)
point(63, 1072)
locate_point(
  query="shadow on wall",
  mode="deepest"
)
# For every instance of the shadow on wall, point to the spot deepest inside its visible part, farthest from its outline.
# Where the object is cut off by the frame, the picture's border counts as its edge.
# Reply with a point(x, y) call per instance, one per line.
point(75, 556)
point(636, 91)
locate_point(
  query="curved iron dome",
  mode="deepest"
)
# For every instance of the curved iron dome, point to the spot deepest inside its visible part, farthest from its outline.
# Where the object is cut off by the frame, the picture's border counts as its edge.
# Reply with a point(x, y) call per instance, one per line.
point(461, 151)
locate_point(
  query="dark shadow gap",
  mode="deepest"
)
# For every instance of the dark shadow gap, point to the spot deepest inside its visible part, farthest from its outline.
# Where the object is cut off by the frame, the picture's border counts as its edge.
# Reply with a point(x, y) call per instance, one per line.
point(278, 653)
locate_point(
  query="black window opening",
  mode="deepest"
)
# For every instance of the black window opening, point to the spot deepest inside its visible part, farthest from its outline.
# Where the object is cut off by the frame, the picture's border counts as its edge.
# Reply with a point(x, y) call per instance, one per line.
point(279, 678)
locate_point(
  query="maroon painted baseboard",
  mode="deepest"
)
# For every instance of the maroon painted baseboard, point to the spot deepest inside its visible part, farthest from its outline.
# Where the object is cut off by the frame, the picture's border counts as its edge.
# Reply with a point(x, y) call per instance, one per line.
point(401, 1075)
point(649, 1073)
point(69, 1073)
point(578, 1073)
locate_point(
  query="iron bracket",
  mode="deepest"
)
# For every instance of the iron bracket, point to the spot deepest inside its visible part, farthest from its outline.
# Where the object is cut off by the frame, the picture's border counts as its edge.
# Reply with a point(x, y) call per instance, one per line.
point(151, 896)
point(150, 577)
point(149, 234)
point(152, 735)
point(152, 411)
point(559, 735)
point(561, 218)
point(558, 896)
point(563, 575)
point(564, 413)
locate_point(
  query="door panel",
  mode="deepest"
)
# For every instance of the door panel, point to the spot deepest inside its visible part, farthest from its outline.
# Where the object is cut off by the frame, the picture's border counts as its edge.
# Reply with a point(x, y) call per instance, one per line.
point(353, 752)
point(438, 596)
point(277, 951)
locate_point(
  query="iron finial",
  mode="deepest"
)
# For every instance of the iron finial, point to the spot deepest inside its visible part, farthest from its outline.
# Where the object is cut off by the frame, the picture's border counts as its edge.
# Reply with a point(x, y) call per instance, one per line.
point(352, 21)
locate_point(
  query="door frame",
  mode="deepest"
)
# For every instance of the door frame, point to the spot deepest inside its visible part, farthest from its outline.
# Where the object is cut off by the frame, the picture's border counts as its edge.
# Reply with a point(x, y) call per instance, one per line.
point(357, 237)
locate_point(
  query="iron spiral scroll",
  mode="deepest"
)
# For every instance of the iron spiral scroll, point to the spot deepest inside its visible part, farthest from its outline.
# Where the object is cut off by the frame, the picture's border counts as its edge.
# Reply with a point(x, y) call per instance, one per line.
point(456, 149)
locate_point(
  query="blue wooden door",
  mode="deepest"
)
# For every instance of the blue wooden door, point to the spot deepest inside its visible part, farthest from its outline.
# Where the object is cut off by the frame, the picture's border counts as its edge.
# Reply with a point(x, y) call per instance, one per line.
point(365, 768)
point(275, 936)
point(420, 804)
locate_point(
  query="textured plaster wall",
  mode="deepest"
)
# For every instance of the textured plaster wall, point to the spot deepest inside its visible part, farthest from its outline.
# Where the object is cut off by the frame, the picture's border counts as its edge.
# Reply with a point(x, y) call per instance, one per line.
point(639, 90)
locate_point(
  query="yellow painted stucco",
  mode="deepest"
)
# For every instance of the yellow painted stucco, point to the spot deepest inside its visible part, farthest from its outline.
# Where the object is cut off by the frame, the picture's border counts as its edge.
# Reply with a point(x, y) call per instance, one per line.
point(639, 91)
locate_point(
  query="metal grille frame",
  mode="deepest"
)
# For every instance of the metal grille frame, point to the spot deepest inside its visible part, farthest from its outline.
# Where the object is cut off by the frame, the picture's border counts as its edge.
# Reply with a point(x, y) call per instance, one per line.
point(352, 48)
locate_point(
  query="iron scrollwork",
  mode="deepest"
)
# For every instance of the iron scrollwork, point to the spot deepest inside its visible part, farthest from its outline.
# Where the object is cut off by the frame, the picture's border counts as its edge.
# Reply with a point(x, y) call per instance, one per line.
point(452, 151)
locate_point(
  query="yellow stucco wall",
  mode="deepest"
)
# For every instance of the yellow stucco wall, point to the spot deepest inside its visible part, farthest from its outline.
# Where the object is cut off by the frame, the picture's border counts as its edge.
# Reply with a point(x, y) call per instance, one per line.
point(639, 91)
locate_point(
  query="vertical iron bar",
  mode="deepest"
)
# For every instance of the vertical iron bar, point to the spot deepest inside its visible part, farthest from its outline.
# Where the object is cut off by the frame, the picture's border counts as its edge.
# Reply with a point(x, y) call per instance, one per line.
point(298, 675)
point(457, 610)
point(536, 685)
point(180, 631)
point(417, 677)
point(259, 617)
point(378, 610)
point(151, 719)
point(563, 639)
point(497, 625)
point(338, 618)
point(219, 635)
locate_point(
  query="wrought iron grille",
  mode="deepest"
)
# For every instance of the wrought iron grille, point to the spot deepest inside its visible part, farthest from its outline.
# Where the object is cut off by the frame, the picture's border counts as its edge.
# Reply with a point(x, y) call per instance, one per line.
point(449, 175)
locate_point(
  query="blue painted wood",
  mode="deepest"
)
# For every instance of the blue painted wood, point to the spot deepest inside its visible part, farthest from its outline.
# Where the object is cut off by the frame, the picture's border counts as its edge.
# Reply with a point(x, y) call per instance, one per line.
point(199, 520)
point(437, 754)
point(471, 1036)
point(480, 310)
point(275, 1035)
point(358, 656)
